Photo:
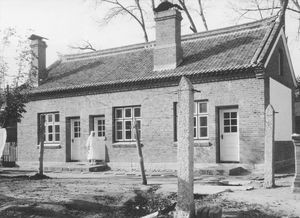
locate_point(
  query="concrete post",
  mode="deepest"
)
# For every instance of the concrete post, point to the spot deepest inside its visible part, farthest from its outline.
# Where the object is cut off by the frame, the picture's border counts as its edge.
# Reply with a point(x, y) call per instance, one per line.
point(269, 147)
point(296, 183)
point(185, 151)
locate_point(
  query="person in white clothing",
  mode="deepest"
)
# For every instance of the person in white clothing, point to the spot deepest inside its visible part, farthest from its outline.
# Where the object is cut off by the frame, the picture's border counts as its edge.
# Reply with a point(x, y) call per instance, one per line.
point(90, 144)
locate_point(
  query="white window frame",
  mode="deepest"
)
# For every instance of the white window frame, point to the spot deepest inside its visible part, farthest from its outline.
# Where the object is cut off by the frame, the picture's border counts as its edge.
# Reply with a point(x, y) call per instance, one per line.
point(52, 123)
point(123, 120)
point(199, 114)
point(96, 126)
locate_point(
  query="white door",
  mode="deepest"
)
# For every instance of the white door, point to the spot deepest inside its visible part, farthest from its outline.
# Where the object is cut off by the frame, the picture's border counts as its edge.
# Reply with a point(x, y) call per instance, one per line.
point(99, 128)
point(229, 135)
point(76, 150)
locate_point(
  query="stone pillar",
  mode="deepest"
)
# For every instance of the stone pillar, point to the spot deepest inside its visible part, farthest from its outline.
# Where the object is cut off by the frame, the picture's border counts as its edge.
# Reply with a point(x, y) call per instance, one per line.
point(269, 148)
point(296, 183)
point(185, 151)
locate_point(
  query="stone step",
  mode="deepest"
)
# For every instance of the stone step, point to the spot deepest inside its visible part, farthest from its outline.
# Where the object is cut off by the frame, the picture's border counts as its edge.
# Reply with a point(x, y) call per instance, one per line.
point(85, 168)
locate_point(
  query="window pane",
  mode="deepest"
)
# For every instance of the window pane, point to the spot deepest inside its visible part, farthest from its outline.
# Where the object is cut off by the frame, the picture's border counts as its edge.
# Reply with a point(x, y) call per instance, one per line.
point(203, 121)
point(195, 121)
point(203, 132)
point(138, 122)
point(137, 112)
point(50, 129)
point(56, 118)
point(203, 107)
point(233, 122)
point(233, 129)
point(119, 125)
point(195, 132)
point(128, 112)
point(226, 122)
point(127, 125)
point(50, 118)
point(233, 114)
point(119, 135)
point(119, 113)
point(226, 129)
point(226, 115)
point(119, 128)
point(195, 108)
point(57, 128)
point(57, 137)
point(50, 137)
point(128, 134)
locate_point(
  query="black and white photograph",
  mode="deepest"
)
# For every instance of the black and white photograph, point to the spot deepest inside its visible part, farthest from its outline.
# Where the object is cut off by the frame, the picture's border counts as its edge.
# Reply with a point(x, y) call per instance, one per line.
point(150, 108)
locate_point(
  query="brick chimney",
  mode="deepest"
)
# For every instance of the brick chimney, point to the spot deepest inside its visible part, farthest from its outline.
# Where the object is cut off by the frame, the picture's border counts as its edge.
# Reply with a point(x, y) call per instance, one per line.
point(38, 52)
point(168, 50)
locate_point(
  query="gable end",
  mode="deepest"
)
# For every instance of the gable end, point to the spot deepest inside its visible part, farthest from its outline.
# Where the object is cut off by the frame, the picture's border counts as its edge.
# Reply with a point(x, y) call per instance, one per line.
point(280, 44)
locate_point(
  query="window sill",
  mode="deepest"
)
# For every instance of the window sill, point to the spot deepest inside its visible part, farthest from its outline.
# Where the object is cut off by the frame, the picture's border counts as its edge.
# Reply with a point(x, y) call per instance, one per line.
point(198, 143)
point(50, 146)
point(125, 145)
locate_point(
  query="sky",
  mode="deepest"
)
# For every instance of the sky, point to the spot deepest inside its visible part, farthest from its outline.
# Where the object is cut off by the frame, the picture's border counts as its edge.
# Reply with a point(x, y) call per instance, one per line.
point(70, 22)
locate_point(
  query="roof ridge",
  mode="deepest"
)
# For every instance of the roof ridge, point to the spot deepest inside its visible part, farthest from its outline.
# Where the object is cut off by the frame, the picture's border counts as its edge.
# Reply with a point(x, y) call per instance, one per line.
point(230, 29)
point(151, 44)
point(109, 51)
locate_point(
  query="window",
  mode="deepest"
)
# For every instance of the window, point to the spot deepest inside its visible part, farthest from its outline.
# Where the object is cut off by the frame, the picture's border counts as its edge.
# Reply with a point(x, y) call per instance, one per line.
point(124, 123)
point(230, 122)
point(99, 126)
point(200, 120)
point(76, 128)
point(280, 62)
point(52, 127)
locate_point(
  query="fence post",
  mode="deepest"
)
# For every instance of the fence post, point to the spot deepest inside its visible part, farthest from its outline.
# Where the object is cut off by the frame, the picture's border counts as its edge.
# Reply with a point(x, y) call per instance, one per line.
point(296, 183)
point(141, 159)
point(269, 181)
point(185, 151)
point(42, 139)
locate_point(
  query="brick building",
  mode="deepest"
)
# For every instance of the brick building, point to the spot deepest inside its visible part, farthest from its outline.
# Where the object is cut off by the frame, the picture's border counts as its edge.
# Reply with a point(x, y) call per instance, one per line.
point(237, 71)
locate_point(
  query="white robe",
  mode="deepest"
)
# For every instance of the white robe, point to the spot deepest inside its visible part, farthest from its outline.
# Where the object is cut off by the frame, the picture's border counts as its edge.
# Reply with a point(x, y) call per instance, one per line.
point(3, 137)
point(96, 148)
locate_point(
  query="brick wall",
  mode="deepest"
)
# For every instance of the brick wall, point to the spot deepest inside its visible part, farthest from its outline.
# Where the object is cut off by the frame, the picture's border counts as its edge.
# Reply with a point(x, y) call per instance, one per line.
point(157, 121)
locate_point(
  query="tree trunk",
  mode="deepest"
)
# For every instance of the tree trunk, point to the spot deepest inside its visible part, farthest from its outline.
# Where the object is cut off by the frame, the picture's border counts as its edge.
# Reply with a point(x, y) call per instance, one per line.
point(283, 6)
point(142, 23)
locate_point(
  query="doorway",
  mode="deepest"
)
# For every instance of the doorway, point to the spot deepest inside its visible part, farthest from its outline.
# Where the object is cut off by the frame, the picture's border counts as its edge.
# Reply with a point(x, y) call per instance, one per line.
point(229, 135)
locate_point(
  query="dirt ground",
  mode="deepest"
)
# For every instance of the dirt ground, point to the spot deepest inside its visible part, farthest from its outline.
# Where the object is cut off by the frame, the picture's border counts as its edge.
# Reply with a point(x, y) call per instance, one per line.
point(119, 195)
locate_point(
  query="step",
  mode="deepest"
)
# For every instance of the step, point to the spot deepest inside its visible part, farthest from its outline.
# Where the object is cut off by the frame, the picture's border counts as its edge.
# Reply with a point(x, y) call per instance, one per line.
point(78, 168)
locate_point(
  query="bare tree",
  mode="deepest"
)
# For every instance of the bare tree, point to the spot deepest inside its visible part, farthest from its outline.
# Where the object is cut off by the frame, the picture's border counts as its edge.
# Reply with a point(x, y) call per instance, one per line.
point(268, 7)
point(14, 71)
point(134, 11)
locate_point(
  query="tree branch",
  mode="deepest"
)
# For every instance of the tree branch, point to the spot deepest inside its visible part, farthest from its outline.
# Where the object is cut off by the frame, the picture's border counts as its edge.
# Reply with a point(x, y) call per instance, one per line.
point(87, 46)
point(202, 15)
point(183, 5)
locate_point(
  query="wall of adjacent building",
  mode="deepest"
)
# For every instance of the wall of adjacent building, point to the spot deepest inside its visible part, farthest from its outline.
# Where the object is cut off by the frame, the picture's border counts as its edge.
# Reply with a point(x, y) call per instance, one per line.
point(284, 148)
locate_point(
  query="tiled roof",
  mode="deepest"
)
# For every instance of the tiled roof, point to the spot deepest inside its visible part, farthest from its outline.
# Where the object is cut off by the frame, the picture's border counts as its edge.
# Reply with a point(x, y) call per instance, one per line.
point(227, 49)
